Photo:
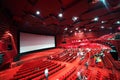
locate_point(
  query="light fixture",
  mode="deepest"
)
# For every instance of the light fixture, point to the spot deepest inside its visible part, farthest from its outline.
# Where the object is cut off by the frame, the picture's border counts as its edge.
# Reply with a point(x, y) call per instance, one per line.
point(60, 15)
point(66, 29)
point(90, 30)
point(118, 22)
point(79, 31)
point(85, 29)
point(74, 18)
point(96, 19)
point(102, 27)
point(37, 12)
point(71, 31)
point(76, 28)
point(103, 22)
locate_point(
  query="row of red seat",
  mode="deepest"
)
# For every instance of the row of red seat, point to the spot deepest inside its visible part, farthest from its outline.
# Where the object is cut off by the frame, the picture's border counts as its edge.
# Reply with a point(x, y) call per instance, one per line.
point(18, 76)
point(66, 57)
point(116, 64)
point(107, 62)
point(98, 76)
point(100, 64)
point(87, 74)
point(112, 76)
point(50, 73)
point(106, 37)
point(40, 73)
point(92, 60)
point(73, 76)
point(35, 71)
point(28, 69)
point(84, 60)
point(67, 74)
point(36, 62)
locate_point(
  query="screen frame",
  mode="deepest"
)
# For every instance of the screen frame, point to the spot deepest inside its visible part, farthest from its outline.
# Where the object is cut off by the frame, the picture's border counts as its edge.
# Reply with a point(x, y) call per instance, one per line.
point(30, 52)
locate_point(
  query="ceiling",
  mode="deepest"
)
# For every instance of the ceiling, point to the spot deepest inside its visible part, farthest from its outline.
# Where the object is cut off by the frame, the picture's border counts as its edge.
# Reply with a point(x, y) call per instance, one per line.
point(23, 14)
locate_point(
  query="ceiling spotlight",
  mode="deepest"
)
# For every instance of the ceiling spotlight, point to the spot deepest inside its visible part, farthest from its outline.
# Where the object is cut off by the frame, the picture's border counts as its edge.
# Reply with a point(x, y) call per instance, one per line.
point(66, 29)
point(79, 31)
point(71, 31)
point(37, 12)
point(74, 18)
point(85, 29)
point(60, 15)
point(90, 30)
point(118, 22)
point(102, 27)
point(76, 28)
point(103, 21)
point(95, 19)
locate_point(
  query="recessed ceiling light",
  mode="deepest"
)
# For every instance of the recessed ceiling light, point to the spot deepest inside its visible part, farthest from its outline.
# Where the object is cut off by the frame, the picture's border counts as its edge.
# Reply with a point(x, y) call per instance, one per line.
point(90, 30)
point(118, 22)
point(103, 21)
point(37, 12)
point(66, 29)
point(71, 31)
point(102, 27)
point(79, 31)
point(85, 29)
point(95, 19)
point(60, 15)
point(74, 18)
point(76, 28)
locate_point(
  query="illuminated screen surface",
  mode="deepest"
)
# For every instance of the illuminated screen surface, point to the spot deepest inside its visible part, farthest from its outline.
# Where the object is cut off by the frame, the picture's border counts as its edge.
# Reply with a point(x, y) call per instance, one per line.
point(31, 42)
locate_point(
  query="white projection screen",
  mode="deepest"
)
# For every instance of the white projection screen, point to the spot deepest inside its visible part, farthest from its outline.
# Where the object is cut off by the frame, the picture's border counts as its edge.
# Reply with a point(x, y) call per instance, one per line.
point(31, 42)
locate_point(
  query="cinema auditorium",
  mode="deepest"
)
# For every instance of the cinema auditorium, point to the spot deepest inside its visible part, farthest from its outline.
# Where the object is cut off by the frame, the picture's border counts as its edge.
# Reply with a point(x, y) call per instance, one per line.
point(59, 39)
